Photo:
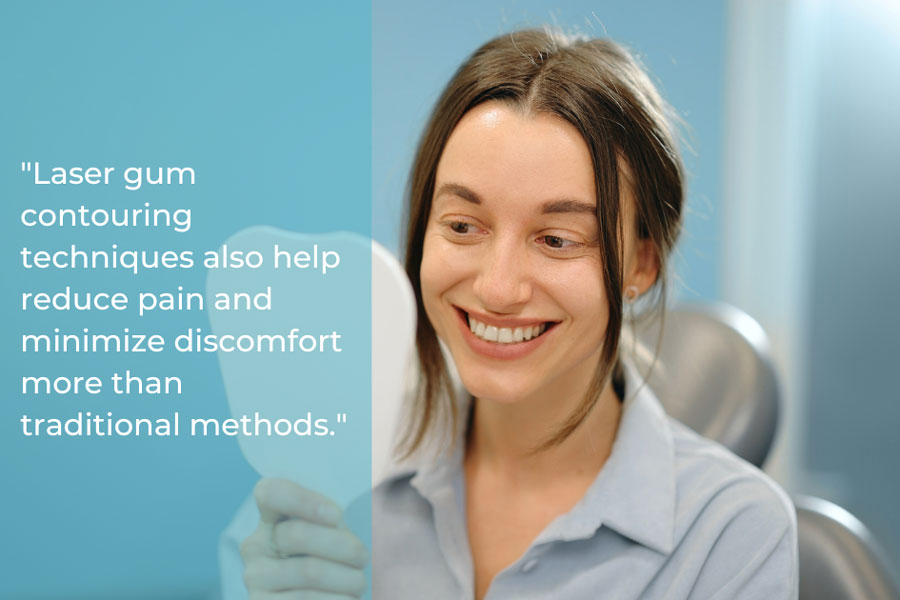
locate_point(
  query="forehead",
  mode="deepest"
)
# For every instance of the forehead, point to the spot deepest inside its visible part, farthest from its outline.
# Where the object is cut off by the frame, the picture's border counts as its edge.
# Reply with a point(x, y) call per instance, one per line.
point(505, 154)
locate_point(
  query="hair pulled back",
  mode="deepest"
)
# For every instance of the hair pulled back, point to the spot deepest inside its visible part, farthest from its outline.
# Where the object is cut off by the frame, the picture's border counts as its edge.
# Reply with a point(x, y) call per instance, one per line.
point(601, 90)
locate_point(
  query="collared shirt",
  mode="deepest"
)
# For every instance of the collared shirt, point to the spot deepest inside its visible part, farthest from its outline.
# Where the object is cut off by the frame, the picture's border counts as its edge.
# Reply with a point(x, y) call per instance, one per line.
point(670, 515)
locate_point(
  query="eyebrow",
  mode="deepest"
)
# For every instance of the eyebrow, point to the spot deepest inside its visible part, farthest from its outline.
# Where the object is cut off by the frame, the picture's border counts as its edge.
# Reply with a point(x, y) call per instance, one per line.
point(562, 205)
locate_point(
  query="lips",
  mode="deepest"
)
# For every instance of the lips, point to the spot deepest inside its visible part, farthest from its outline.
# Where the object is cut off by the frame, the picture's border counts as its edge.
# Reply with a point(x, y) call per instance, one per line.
point(504, 338)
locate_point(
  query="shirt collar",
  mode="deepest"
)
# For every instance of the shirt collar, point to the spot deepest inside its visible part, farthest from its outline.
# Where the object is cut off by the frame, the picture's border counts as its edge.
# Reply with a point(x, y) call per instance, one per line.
point(434, 460)
point(634, 493)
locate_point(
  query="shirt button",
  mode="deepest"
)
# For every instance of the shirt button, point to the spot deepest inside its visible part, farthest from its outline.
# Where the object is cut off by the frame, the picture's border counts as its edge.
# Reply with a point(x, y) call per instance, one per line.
point(529, 565)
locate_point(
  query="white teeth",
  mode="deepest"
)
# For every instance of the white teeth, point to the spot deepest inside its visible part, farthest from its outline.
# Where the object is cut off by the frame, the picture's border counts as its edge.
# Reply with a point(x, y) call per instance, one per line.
point(505, 335)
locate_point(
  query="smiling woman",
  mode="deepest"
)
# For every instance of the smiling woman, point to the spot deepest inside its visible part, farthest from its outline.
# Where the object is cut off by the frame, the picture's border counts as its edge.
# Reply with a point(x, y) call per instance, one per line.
point(516, 246)
point(546, 194)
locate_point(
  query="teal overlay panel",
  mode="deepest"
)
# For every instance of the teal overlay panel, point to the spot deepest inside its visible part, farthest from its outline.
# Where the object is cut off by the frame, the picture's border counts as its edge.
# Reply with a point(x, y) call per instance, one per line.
point(270, 105)
point(296, 373)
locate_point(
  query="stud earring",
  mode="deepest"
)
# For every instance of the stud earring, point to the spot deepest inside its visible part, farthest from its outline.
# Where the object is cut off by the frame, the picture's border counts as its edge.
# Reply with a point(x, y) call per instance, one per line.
point(630, 294)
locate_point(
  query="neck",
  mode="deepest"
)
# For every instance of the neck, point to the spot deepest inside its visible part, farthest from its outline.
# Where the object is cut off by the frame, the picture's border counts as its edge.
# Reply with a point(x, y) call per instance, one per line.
point(504, 438)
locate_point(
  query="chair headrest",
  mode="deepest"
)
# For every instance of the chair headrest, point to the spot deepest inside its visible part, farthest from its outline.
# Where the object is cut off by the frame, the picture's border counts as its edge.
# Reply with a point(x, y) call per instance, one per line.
point(713, 372)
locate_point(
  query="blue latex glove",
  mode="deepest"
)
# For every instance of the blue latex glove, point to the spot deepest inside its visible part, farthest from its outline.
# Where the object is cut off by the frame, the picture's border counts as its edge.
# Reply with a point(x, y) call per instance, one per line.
point(301, 545)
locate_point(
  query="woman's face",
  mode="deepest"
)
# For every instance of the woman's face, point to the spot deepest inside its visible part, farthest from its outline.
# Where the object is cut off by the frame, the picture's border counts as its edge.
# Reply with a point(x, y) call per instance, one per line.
point(511, 251)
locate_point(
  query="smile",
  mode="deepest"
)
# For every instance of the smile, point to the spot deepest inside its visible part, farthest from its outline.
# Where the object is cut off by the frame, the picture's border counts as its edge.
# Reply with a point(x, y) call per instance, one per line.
point(505, 335)
point(503, 338)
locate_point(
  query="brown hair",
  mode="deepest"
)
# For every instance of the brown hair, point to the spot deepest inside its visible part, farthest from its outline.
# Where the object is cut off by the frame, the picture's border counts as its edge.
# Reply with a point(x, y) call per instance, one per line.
point(598, 87)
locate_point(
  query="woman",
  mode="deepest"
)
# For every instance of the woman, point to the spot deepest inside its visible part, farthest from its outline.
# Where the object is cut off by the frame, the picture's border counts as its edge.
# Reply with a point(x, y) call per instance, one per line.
point(546, 194)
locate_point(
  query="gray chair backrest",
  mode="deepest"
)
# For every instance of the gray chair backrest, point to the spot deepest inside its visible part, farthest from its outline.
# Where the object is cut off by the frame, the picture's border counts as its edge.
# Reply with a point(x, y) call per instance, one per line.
point(839, 557)
point(714, 373)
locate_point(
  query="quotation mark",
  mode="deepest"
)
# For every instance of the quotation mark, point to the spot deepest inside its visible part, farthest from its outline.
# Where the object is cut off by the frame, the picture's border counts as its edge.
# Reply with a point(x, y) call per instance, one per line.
point(26, 166)
point(341, 418)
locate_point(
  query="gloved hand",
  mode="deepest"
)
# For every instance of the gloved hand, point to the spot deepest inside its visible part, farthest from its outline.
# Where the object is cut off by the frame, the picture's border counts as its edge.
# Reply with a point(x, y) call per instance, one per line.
point(301, 548)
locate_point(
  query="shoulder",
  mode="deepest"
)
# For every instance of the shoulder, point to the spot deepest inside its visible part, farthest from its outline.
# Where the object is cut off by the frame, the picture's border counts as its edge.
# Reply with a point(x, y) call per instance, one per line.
point(395, 494)
point(711, 479)
point(398, 506)
point(733, 522)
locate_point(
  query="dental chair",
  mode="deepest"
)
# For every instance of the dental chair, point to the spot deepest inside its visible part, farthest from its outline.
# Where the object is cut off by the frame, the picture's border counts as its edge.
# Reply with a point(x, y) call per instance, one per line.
point(839, 557)
point(714, 373)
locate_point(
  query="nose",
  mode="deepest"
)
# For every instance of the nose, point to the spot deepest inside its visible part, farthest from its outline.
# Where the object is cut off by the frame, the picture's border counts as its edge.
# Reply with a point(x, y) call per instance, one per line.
point(503, 283)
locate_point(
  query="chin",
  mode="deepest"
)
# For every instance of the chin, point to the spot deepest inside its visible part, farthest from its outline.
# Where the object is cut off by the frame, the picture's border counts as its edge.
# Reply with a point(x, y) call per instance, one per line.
point(493, 386)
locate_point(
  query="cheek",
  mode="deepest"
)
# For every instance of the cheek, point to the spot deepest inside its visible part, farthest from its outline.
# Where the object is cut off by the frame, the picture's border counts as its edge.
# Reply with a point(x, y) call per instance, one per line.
point(430, 269)
point(586, 301)
point(598, 314)
point(437, 273)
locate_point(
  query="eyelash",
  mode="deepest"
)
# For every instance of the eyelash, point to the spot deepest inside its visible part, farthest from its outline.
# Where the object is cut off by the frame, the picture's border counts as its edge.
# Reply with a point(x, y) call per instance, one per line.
point(567, 244)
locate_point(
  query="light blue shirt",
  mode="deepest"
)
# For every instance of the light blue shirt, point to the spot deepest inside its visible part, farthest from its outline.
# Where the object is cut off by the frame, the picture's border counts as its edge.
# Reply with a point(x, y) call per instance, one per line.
point(670, 515)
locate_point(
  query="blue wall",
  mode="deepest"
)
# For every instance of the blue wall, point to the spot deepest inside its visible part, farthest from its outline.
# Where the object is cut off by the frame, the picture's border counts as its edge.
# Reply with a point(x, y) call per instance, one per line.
point(852, 413)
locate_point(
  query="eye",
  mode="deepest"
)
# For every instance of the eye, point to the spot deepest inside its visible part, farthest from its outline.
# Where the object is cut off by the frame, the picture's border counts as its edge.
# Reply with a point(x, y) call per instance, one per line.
point(461, 230)
point(459, 227)
point(554, 241)
point(557, 243)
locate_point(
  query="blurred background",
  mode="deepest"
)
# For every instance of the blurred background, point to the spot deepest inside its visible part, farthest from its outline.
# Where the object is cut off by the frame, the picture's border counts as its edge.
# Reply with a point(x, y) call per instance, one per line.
point(793, 142)
point(809, 203)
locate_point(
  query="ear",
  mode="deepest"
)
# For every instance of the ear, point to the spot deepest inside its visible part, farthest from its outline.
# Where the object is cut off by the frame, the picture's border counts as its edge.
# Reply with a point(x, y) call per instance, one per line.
point(644, 268)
